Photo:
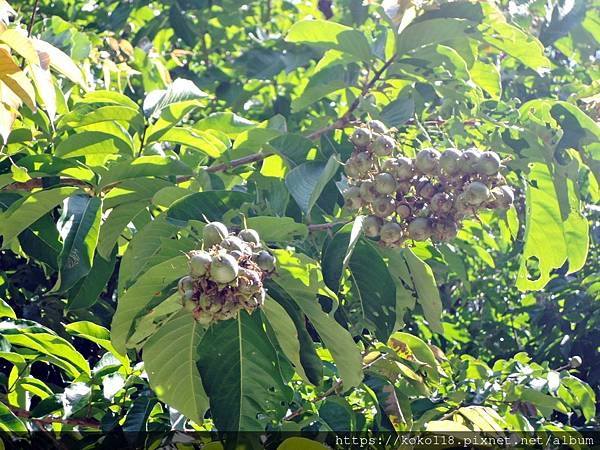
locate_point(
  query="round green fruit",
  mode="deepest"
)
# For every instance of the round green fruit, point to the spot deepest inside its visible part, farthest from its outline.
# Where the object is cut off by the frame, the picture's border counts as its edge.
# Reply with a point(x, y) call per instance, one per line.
point(427, 161)
point(405, 169)
point(377, 126)
point(391, 233)
point(214, 233)
point(476, 193)
point(419, 229)
point(224, 269)
point(185, 284)
point(383, 206)
point(441, 203)
point(469, 161)
point(426, 189)
point(383, 145)
point(199, 262)
point(372, 226)
point(368, 193)
point(266, 261)
point(503, 197)
point(250, 236)
point(488, 164)
point(404, 211)
point(351, 168)
point(444, 231)
point(450, 162)
point(385, 183)
point(361, 137)
point(352, 198)
point(188, 301)
point(234, 243)
point(364, 163)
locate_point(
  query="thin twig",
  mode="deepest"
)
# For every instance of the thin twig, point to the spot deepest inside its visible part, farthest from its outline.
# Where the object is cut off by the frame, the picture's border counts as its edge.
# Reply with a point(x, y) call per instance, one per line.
point(36, 183)
point(32, 19)
point(324, 226)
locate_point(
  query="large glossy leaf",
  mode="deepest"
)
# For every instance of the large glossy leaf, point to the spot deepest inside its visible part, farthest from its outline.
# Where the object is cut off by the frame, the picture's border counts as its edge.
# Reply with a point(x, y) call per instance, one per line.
point(324, 83)
point(307, 181)
point(544, 224)
point(15, 79)
point(277, 229)
point(92, 143)
point(144, 166)
point(429, 32)
point(114, 225)
point(20, 43)
point(198, 140)
point(9, 422)
point(180, 91)
point(50, 346)
point(209, 205)
point(428, 294)
point(336, 255)
point(61, 62)
point(300, 277)
point(241, 375)
point(170, 358)
point(97, 334)
point(24, 212)
point(87, 291)
point(227, 122)
point(148, 287)
point(331, 35)
point(79, 226)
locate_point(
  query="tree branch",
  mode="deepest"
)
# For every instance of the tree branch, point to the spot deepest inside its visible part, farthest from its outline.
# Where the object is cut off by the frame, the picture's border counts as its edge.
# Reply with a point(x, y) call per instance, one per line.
point(36, 183)
point(324, 226)
point(88, 423)
point(345, 119)
point(32, 19)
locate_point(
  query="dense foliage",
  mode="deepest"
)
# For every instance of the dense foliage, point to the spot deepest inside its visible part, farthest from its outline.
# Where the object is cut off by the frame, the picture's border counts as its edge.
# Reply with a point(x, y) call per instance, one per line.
point(127, 126)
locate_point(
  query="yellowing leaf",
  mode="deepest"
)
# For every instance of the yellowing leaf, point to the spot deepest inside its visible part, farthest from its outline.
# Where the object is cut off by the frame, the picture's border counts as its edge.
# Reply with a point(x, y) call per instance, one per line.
point(13, 77)
point(21, 44)
point(45, 87)
point(61, 62)
point(7, 118)
point(446, 426)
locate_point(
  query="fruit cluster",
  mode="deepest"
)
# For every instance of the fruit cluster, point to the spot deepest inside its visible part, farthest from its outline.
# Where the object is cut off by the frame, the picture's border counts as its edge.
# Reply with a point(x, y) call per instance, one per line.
point(226, 275)
point(420, 198)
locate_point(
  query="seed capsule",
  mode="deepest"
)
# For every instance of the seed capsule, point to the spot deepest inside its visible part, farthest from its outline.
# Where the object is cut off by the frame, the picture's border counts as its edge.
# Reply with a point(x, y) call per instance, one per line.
point(383, 206)
point(351, 168)
point(419, 229)
point(266, 261)
point(364, 163)
point(372, 226)
point(404, 211)
point(383, 146)
point(199, 262)
point(368, 193)
point(444, 231)
point(352, 198)
point(224, 269)
point(377, 126)
point(391, 233)
point(441, 203)
point(405, 170)
point(361, 137)
point(488, 164)
point(469, 160)
point(185, 284)
point(385, 183)
point(503, 197)
point(234, 243)
point(250, 236)
point(214, 233)
point(425, 189)
point(476, 193)
point(450, 162)
point(427, 161)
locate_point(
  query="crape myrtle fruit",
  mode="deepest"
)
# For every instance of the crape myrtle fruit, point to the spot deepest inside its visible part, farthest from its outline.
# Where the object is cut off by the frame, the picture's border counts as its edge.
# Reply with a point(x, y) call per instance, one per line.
point(225, 276)
point(425, 197)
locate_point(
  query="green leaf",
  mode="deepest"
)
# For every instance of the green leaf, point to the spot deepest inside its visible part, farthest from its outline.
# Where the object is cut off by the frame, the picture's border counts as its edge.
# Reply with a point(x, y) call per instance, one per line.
point(307, 181)
point(374, 291)
point(286, 333)
point(324, 83)
point(92, 143)
point(23, 213)
point(6, 310)
point(42, 241)
point(170, 358)
point(277, 229)
point(330, 35)
point(487, 76)
point(61, 62)
point(87, 291)
point(338, 252)
point(148, 286)
point(337, 413)
point(198, 140)
point(79, 226)
point(227, 122)
point(241, 375)
point(144, 166)
point(97, 334)
point(52, 347)
point(88, 114)
point(180, 91)
point(9, 422)
point(411, 347)
point(511, 40)
point(429, 32)
point(428, 294)
point(544, 223)
point(114, 225)
point(300, 277)
point(399, 111)
point(211, 205)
